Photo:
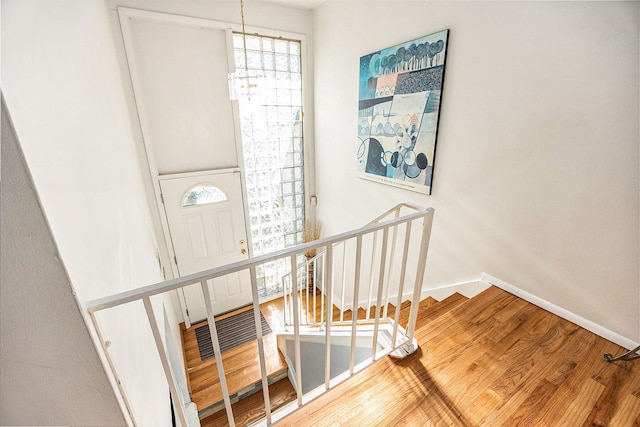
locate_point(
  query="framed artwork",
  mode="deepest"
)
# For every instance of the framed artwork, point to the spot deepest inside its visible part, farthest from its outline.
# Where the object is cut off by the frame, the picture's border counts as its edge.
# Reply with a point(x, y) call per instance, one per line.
point(400, 91)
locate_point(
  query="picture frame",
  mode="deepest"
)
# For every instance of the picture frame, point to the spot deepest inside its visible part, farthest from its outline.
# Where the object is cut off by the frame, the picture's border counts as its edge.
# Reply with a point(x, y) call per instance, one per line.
point(400, 93)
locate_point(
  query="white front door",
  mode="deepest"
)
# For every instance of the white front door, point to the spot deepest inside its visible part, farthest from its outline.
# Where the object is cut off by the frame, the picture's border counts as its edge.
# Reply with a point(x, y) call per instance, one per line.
point(205, 215)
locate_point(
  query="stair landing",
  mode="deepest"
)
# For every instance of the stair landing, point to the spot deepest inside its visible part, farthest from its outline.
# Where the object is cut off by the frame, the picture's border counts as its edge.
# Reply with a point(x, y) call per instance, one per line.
point(495, 360)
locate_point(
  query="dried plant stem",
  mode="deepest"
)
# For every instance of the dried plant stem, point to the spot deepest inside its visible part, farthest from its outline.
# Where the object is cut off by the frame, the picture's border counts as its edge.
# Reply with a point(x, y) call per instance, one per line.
point(311, 232)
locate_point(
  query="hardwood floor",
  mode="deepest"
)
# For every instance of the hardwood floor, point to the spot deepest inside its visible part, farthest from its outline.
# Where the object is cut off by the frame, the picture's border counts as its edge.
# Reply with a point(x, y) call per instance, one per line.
point(494, 361)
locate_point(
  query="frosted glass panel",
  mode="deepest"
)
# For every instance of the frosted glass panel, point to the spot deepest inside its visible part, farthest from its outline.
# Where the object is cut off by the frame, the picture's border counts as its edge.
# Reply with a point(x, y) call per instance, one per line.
point(203, 195)
point(271, 129)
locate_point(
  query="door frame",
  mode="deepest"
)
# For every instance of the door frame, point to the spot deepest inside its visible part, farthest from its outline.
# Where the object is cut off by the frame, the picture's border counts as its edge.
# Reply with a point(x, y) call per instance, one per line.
point(174, 264)
point(151, 177)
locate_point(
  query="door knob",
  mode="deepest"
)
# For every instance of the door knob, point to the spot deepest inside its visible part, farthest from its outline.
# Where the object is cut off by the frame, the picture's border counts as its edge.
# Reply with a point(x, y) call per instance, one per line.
point(243, 251)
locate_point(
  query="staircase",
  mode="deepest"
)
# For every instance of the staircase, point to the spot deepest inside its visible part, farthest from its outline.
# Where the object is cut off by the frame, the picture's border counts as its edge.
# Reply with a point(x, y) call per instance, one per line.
point(376, 265)
point(249, 409)
point(243, 374)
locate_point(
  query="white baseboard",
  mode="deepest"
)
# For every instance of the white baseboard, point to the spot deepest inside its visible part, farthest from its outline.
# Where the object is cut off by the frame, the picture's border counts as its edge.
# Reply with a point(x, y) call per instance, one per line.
point(472, 288)
point(559, 311)
point(468, 289)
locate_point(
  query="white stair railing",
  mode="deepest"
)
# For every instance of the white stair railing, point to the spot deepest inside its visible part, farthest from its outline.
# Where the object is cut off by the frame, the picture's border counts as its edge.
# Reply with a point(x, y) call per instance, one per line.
point(378, 289)
point(382, 266)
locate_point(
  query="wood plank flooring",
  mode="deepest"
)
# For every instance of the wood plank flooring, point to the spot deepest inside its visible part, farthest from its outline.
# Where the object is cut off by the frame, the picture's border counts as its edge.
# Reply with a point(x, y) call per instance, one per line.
point(493, 361)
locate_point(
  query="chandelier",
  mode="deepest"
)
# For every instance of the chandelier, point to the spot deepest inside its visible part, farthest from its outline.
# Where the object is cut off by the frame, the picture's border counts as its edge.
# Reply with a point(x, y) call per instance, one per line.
point(243, 83)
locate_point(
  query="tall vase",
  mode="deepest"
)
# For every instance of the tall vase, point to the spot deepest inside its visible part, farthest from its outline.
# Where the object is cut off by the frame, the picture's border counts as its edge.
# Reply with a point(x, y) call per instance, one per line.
point(310, 284)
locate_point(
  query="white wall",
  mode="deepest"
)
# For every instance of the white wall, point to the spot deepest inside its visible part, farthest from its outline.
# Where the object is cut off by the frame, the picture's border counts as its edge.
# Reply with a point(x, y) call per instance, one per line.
point(61, 80)
point(536, 173)
point(50, 372)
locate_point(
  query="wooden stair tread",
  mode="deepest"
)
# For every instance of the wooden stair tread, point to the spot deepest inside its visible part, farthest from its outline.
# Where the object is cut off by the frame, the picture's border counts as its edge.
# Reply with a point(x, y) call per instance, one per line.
point(251, 408)
point(428, 310)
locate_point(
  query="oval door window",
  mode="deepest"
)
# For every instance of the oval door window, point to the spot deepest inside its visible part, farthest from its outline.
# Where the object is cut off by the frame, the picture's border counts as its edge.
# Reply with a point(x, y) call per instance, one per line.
point(203, 194)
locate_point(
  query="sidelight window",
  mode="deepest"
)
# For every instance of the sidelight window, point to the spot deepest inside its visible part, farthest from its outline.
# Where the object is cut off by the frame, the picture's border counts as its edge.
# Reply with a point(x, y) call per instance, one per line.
point(271, 131)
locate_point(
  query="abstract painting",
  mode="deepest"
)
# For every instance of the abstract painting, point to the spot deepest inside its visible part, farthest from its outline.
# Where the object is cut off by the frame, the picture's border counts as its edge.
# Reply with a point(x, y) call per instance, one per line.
point(400, 91)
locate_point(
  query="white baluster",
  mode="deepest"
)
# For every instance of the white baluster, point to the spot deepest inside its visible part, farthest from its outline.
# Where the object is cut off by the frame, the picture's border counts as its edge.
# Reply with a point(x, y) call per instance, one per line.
point(263, 363)
point(213, 332)
point(164, 359)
